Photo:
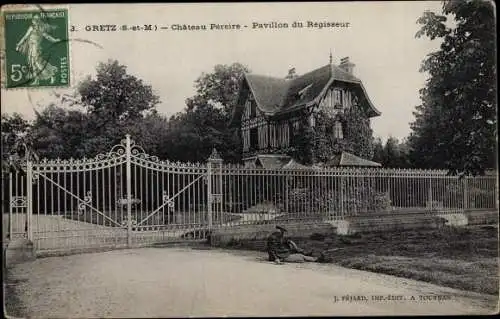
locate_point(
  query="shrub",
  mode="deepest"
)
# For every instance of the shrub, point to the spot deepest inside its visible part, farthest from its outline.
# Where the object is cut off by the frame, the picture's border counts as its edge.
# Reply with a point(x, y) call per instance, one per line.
point(357, 198)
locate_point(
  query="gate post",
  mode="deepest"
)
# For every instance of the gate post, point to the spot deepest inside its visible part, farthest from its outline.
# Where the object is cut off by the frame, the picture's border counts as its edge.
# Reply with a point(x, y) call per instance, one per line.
point(10, 204)
point(214, 194)
point(29, 198)
point(209, 193)
point(128, 153)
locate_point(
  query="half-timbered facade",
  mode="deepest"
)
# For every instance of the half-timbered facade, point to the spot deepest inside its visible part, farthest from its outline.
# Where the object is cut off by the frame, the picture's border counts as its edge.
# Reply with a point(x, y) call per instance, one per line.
point(270, 109)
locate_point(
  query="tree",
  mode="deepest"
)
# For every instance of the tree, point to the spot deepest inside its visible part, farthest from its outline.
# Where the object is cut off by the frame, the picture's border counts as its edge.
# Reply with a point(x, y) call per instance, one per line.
point(192, 135)
point(357, 133)
point(303, 143)
point(116, 95)
point(404, 154)
point(455, 127)
point(115, 101)
point(101, 111)
point(60, 133)
point(152, 133)
point(392, 153)
point(219, 88)
point(205, 122)
point(378, 151)
point(14, 131)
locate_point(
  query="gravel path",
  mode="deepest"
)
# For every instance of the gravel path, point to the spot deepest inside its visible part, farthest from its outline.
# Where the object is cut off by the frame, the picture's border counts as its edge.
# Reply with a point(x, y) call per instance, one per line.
point(173, 282)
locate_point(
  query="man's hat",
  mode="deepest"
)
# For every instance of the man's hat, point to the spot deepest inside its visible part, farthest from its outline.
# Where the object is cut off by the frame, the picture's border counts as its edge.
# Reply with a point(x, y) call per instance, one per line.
point(281, 228)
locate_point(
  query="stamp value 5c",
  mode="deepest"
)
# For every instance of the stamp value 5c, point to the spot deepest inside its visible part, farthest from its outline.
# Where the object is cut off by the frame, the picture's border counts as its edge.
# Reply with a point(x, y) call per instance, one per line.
point(36, 48)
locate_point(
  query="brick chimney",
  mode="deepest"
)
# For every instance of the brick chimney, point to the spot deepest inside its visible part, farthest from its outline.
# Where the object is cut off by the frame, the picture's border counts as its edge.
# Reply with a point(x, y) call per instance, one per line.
point(346, 65)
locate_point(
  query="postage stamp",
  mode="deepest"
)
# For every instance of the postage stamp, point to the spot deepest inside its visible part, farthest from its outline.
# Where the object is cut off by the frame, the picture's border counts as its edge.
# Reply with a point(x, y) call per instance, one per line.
point(257, 159)
point(36, 48)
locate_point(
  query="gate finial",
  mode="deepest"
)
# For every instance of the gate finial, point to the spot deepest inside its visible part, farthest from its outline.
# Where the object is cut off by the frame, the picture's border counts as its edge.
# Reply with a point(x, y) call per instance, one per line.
point(215, 156)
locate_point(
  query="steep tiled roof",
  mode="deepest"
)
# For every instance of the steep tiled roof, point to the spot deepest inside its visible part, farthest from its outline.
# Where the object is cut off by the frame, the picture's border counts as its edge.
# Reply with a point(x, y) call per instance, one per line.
point(285, 162)
point(272, 161)
point(348, 159)
point(275, 95)
point(268, 92)
point(295, 165)
point(311, 84)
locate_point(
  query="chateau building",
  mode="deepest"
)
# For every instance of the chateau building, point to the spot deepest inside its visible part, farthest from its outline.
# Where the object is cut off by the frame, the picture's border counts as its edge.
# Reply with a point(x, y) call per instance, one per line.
point(270, 110)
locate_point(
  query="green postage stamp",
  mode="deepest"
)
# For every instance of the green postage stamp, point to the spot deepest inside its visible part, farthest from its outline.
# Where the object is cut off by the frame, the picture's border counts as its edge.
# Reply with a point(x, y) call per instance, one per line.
point(36, 48)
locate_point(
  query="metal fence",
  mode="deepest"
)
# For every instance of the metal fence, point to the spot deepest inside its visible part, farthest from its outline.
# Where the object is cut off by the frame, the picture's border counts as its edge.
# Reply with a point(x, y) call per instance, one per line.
point(127, 197)
point(337, 193)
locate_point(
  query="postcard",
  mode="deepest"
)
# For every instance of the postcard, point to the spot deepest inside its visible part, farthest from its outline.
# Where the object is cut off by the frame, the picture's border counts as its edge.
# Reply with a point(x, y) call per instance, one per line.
point(249, 159)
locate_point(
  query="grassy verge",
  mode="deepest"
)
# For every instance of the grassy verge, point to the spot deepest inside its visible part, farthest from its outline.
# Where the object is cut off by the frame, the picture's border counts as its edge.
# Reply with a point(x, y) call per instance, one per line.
point(462, 258)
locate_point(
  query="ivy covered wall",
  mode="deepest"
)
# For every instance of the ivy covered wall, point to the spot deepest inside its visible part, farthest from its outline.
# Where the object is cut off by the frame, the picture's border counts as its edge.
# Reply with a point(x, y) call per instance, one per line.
point(318, 143)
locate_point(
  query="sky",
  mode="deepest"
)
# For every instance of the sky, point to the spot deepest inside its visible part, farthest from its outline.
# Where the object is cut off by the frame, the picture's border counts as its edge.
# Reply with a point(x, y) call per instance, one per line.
point(380, 40)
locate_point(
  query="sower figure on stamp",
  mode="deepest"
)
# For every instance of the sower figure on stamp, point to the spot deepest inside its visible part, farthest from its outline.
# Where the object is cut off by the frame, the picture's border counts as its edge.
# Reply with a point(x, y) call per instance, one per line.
point(280, 249)
point(31, 46)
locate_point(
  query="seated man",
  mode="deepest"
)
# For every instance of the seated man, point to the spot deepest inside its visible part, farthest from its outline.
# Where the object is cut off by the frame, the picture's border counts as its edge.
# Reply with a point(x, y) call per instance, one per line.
point(281, 249)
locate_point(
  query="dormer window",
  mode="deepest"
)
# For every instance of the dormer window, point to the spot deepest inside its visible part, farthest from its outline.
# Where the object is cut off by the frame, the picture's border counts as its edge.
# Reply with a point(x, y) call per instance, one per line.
point(303, 92)
point(337, 98)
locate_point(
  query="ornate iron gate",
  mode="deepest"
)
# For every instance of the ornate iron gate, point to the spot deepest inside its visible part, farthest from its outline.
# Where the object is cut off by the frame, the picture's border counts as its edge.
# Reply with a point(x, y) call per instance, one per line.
point(122, 198)
point(170, 200)
point(15, 222)
point(126, 197)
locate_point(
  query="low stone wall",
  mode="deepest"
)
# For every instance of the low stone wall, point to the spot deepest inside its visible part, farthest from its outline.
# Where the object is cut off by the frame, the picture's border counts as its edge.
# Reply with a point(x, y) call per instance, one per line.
point(408, 220)
point(257, 234)
point(18, 251)
point(482, 217)
point(388, 223)
point(241, 236)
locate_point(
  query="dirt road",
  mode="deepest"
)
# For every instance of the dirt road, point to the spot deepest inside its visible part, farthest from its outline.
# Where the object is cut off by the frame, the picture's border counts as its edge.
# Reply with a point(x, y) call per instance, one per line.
point(172, 282)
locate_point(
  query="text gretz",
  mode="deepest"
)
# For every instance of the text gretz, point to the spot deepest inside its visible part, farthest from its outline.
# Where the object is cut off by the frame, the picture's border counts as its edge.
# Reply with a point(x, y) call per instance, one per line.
point(216, 26)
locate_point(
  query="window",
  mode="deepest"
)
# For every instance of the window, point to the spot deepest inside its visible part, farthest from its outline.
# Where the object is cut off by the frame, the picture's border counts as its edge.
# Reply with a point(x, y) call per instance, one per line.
point(253, 110)
point(312, 120)
point(303, 92)
point(338, 133)
point(279, 135)
point(247, 109)
point(254, 139)
point(291, 129)
point(354, 100)
point(250, 107)
point(347, 99)
point(337, 98)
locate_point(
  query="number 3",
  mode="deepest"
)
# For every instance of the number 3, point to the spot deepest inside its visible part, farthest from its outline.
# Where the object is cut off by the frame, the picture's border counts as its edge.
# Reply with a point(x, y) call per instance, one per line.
point(16, 75)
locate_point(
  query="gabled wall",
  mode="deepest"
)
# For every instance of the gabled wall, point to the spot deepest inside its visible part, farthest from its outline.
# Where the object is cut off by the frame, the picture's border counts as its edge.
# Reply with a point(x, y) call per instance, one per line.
point(254, 128)
point(337, 98)
point(263, 135)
